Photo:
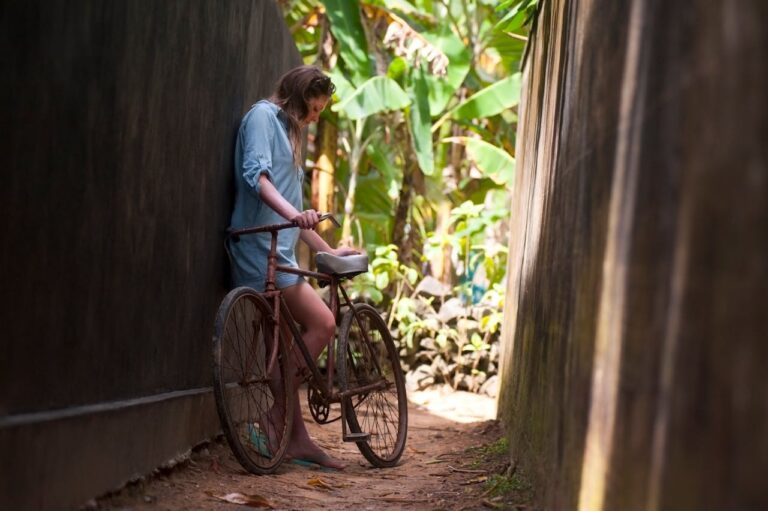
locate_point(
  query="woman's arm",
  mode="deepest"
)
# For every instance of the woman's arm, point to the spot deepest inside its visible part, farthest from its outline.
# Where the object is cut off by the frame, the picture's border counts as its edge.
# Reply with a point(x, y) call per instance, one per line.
point(318, 244)
point(269, 194)
point(315, 241)
point(306, 219)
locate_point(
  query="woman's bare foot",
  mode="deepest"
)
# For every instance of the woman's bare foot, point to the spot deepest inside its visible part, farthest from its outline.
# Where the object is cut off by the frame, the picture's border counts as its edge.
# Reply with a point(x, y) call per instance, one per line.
point(311, 452)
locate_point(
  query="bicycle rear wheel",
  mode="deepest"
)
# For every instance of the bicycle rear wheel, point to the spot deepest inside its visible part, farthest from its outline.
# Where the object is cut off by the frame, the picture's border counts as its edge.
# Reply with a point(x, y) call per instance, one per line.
point(254, 407)
point(366, 356)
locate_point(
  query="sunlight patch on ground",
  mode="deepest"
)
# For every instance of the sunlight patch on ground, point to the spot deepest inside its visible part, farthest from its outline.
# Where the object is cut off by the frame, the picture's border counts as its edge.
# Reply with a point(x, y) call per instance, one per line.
point(455, 405)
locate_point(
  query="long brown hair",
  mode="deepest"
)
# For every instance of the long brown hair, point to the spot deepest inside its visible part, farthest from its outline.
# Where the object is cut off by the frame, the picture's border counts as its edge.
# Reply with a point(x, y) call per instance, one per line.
point(293, 92)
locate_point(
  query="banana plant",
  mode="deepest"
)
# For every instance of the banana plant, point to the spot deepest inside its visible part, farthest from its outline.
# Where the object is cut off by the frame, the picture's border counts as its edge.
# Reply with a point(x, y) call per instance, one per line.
point(376, 95)
point(492, 161)
point(347, 28)
point(453, 83)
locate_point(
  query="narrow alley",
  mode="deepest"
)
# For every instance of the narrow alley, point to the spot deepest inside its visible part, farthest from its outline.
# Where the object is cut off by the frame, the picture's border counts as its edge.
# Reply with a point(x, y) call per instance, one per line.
point(455, 459)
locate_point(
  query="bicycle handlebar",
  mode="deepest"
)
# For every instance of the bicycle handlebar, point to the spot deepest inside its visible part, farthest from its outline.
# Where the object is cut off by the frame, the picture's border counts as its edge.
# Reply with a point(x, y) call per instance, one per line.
point(236, 233)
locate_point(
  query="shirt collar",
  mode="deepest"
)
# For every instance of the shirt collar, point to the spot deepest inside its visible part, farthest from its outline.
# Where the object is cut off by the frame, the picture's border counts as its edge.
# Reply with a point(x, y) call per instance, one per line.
point(279, 113)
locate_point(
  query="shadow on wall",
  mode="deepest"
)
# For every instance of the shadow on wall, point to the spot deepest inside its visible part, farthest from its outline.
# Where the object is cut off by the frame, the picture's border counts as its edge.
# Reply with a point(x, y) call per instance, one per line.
point(635, 323)
point(117, 157)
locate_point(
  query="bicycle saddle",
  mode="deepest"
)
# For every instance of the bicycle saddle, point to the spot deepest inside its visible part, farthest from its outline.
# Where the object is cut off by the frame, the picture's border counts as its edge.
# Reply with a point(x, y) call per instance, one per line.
point(347, 266)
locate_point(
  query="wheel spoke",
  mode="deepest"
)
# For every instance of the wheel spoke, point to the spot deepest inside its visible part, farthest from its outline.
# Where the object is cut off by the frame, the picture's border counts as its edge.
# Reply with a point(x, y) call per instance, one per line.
point(371, 357)
point(253, 417)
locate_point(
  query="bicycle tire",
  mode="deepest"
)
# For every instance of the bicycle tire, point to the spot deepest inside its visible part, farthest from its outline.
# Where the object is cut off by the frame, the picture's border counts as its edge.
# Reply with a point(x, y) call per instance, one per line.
point(249, 409)
point(381, 413)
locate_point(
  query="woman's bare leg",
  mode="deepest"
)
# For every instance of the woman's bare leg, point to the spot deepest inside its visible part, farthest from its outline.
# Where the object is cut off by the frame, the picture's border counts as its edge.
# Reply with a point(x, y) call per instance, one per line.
point(309, 310)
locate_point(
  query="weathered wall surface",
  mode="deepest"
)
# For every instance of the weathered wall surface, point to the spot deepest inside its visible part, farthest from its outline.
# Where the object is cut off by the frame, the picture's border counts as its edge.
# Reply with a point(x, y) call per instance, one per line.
point(635, 335)
point(118, 122)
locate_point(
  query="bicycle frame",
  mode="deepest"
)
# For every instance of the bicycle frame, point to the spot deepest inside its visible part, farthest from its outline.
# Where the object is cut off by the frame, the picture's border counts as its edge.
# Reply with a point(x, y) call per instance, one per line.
point(280, 310)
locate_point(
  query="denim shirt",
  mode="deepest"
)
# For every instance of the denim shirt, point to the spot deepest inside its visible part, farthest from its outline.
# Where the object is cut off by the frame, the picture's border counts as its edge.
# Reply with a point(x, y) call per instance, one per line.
point(263, 147)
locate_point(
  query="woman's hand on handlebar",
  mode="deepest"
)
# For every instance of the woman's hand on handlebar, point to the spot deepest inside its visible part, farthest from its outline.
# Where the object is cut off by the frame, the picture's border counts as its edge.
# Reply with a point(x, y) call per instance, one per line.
point(306, 219)
point(345, 251)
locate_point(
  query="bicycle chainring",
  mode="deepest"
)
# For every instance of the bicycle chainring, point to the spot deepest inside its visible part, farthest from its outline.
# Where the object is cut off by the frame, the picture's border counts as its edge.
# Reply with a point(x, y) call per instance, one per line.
point(319, 409)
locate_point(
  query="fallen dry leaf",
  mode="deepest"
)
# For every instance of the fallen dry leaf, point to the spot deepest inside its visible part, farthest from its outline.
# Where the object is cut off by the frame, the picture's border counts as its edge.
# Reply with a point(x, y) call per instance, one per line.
point(475, 480)
point(399, 499)
point(245, 500)
point(316, 482)
point(466, 471)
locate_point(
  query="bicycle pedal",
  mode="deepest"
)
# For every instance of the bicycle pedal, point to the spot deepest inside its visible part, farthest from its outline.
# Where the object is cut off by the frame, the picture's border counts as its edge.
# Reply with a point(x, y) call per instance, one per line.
point(357, 437)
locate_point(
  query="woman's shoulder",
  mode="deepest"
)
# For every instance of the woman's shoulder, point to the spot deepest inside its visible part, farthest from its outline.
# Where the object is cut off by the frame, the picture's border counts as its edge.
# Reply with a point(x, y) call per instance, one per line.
point(262, 113)
point(265, 106)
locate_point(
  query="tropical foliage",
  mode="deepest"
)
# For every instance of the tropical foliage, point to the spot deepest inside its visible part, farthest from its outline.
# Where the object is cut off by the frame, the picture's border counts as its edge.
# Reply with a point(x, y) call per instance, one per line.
point(420, 145)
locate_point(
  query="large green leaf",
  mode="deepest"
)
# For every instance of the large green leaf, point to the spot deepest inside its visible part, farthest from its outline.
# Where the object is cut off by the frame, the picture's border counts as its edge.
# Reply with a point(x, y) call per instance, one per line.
point(347, 28)
point(344, 89)
point(397, 69)
point(509, 49)
point(380, 155)
point(442, 89)
point(372, 195)
point(421, 123)
point(376, 227)
point(492, 100)
point(492, 161)
point(518, 15)
point(378, 94)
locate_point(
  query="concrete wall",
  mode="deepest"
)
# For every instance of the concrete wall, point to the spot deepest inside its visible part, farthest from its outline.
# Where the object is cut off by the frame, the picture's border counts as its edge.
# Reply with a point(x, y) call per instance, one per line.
point(636, 333)
point(118, 122)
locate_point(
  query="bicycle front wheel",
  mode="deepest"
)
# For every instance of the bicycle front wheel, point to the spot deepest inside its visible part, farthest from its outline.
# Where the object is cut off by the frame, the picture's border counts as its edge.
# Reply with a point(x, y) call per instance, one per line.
point(253, 404)
point(368, 356)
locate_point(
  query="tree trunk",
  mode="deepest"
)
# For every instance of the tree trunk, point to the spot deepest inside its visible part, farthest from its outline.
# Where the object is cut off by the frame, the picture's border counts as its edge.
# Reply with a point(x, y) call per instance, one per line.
point(441, 262)
point(402, 225)
point(324, 174)
point(326, 144)
point(349, 207)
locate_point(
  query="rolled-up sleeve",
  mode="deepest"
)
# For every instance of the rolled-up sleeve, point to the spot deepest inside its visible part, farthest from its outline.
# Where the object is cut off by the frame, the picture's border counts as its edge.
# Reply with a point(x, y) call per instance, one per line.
point(257, 134)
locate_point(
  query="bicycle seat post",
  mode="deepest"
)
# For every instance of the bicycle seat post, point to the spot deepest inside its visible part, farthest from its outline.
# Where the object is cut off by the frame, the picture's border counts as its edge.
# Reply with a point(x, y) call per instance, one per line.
point(271, 263)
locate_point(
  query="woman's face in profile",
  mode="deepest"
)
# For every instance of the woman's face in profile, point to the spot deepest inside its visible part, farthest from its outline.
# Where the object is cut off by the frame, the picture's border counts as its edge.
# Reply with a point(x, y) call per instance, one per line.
point(315, 107)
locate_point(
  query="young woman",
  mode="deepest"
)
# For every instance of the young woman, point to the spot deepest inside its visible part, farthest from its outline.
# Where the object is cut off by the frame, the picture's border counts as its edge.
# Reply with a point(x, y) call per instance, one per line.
point(268, 178)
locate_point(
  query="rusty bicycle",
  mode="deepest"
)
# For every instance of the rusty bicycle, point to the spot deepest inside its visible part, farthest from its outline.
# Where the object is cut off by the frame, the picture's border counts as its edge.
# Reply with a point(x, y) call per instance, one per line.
point(361, 383)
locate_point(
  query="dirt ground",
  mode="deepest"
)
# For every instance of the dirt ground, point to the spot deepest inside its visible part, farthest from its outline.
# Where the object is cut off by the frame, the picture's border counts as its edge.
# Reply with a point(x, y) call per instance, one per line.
point(455, 459)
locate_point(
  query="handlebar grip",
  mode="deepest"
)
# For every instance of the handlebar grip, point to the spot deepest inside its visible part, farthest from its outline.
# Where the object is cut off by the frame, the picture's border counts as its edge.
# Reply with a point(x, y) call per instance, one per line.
point(329, 216)
point(234, 234)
